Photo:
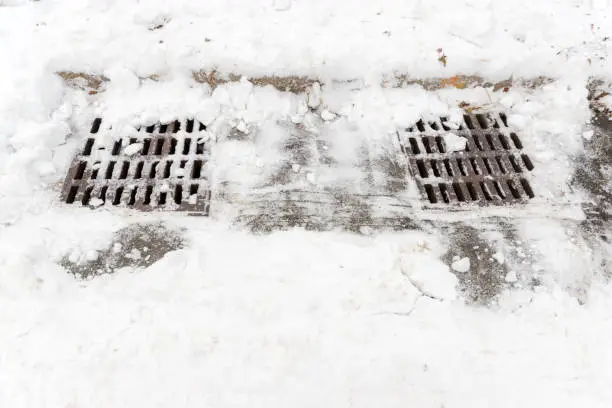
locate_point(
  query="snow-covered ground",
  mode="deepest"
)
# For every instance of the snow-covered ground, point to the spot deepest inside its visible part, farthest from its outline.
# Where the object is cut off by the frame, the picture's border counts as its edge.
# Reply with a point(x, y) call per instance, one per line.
point(299, 318)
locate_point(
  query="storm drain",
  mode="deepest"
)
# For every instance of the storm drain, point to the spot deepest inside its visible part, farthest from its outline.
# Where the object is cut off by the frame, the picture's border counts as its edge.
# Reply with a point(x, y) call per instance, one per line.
point(491, 170)
point(161, 167)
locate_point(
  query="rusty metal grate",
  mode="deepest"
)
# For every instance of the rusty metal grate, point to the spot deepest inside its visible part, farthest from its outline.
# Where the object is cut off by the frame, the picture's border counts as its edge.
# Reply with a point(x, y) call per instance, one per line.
point(492, 170)
point(162, 167)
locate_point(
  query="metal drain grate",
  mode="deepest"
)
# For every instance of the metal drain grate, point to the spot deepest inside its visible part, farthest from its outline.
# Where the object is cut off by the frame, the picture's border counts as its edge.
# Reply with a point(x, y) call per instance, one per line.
point(492, 170)
point(162, 167)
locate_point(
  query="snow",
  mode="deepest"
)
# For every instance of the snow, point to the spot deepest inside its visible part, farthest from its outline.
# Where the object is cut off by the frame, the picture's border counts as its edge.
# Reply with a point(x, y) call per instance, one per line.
point(499, 257)
point(434, 281)
point(327, 115)
point(454, 143)
point(461, 265)
point(296, 318)
point(132, 149)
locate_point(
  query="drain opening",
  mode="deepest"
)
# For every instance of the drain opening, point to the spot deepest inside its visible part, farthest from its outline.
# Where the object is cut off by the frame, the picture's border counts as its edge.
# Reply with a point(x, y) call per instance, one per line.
point(458, 192)
point(513, 190)
point(72, 194)
point(449, 169)
point(414, 146)
point(527, 188)
point(516, 140)
point(95, 127)
point(431, 195)
point(472, 191)
point(444, 193)
point(434, 168)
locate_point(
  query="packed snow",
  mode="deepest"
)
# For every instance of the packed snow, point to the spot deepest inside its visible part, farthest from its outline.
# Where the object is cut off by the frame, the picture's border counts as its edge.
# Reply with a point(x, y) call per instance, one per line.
point(297, 318)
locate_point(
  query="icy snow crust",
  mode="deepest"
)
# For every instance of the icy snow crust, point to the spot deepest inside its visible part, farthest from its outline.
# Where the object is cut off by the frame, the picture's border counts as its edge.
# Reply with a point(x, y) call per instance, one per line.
point(293, 318)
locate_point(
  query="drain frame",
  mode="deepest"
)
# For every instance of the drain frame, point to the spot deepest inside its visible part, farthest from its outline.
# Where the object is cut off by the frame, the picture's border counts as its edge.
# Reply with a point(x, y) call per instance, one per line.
point(492, 170)
point(167, 173)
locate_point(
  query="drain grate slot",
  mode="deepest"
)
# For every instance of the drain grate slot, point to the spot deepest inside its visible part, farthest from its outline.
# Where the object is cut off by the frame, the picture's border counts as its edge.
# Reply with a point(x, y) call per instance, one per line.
point(492, 170)
point(142, 172)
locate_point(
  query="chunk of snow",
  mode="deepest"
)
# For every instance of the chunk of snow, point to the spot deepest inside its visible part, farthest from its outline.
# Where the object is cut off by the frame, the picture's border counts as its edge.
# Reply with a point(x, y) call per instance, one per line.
point(499, 257)
point(314, 96)
point(454, 143)
point(91, 255)
point(96, 202)
point(193, 199)
point(117, 247)
point(134, 255)
point(511, 277)
point(297, 118)
point(204, 137)
point(179, 172)
point(429, 275)
point(462, 265)
point(242, 127)
point(164, 188)
point(132, 149)
point(296, 167)
point(588, 135)
point(327, 115)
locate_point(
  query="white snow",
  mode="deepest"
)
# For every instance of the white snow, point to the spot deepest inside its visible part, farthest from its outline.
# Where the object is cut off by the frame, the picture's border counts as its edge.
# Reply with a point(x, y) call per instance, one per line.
point(327, 115)
point(511, 277)
point(499, 257)
point(431, 278)
point(132, 149)
point(454, 143)
point(461, 265)
point(588, 135)
point(295, 318)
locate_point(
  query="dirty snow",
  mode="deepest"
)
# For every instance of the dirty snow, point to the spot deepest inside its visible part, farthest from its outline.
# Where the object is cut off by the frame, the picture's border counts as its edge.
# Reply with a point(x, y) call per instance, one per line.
point(295, 318)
